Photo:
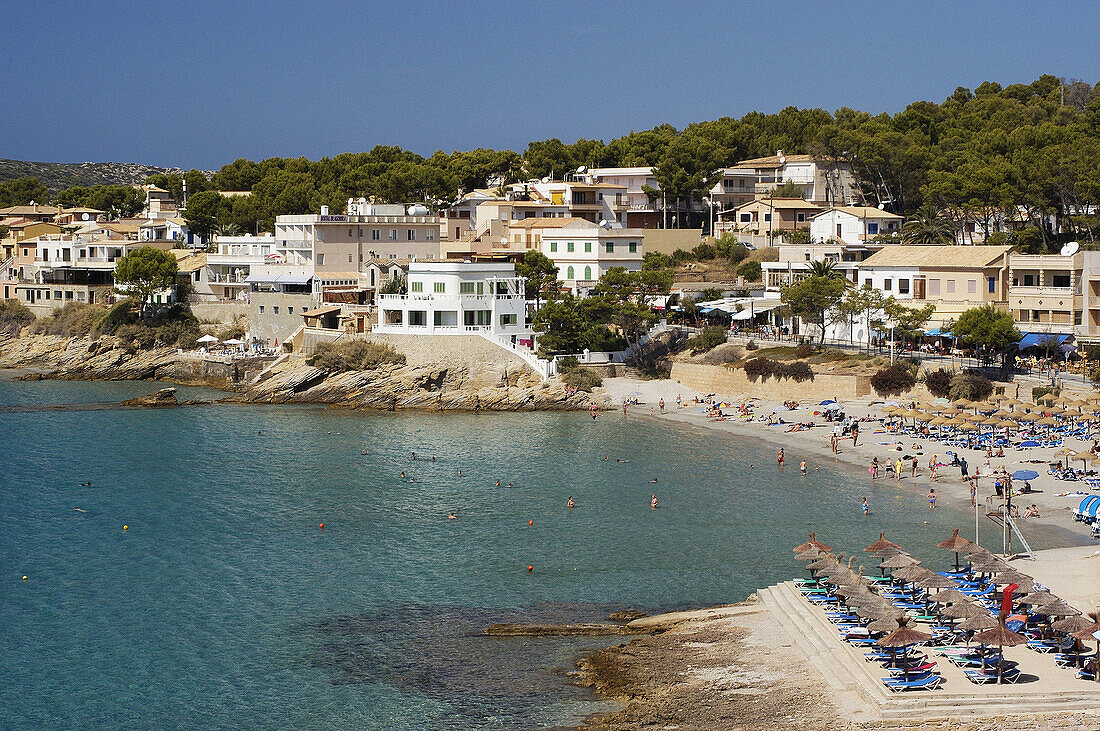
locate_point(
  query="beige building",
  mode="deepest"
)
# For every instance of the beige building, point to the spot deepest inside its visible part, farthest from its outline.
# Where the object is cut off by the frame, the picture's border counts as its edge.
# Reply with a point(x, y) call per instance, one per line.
point(761, 221)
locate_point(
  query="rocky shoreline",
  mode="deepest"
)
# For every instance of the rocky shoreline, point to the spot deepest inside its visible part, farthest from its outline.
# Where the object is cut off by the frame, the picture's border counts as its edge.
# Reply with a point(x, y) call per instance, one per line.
point(441, 386)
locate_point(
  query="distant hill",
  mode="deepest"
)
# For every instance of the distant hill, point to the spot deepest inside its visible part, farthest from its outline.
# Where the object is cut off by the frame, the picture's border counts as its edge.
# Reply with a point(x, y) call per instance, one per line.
point(60, 175)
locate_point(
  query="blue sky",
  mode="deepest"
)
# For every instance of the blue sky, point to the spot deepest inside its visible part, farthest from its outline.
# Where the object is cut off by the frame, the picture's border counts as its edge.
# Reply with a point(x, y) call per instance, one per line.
point(199, 84)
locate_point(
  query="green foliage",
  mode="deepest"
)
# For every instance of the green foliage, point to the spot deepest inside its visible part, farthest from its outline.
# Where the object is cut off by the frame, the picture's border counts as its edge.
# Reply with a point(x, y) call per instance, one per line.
point(798, 371)
point(759, 368)
point(728, 247)
point(21, 191)
point(704, 252)
point(541, 275)
point(708, 295)
point(146, 271)
point(803, 350)
point(578, 376)
point(752, 271)
point(987, 327)
point(938, 382)
point(75, 320)
point(813, 298)
point(971, 386)
point(762, 368)
point(396, 285)
point(907, 321)
point(599, 323)
point(709, 338)
point(353, 355)
point(788, 189)
point(653, 260)
point(122, 313)
point(173, 326)
point(14, 316)
point(117, 201)
point(893, 380)
point(798, 237)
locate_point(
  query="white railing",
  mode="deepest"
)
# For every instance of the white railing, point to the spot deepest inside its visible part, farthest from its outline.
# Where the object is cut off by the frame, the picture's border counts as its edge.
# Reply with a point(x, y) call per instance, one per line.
point(545, 368)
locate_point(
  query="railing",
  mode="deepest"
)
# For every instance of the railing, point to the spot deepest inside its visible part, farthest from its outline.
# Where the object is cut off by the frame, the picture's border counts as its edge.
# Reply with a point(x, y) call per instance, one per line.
point(1025, 291)
point(545, 368)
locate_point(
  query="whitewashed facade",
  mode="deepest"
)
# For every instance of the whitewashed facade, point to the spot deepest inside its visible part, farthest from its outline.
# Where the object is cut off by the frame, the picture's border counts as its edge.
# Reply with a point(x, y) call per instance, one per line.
point(583, 252)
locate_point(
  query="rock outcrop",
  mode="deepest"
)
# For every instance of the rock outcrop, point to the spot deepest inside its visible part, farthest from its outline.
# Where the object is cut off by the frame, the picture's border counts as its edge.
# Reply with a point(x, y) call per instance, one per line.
point(162, 399)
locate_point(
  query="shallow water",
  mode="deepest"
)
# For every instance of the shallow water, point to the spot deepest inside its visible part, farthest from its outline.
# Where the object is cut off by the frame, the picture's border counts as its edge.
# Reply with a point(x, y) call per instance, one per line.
point(224, 604)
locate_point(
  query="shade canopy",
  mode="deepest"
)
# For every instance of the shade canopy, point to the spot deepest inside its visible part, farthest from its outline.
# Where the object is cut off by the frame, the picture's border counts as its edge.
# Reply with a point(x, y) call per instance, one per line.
point(903, 636)
point(881, 544)
point(812, 543)
point(956, 543)
point(207, 339)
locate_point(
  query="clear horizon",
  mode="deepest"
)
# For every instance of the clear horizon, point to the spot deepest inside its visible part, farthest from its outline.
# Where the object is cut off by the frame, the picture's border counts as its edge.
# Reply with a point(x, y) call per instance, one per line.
point(202, 84)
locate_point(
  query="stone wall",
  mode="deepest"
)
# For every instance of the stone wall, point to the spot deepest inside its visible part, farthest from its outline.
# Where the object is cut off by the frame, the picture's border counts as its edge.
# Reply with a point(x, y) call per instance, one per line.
point(225, 311)
point(726, 382)
point(470, 352)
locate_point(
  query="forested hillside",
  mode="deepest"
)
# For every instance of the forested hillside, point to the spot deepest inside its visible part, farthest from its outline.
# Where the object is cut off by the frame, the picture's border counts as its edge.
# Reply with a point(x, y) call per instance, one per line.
point(57, 176)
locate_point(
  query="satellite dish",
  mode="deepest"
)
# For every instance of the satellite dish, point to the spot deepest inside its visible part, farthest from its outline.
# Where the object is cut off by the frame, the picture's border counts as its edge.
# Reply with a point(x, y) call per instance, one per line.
point(1070, 249)
point(85, 217)
point(546, 179)
point(582, 169)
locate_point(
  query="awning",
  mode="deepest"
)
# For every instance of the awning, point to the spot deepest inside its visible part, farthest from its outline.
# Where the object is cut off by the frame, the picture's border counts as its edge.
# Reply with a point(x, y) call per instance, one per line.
point(1030, 340)
point(262, 277)
point(322, 311)
point(936, 332)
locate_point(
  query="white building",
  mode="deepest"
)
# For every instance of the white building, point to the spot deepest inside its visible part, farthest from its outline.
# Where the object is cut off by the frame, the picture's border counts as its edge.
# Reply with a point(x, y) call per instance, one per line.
point(821, 180)
point(854, 224)
point(226, 272)
point(457, 298)
point(584, 251)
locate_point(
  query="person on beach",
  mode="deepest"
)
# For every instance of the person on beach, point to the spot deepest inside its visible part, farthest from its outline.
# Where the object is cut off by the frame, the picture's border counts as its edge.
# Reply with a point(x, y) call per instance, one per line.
point(964, 469)
point(624, 407)
point(932, 499)
point(678, 401)
point(661, 403)
point(875, 468)
point(913, 468)
point(855, 432)
point(779, 457)
point(973, 494)
point(866, 507)
point(653, 502)
point(898, 467)
point(802, 466)
point(570, 504)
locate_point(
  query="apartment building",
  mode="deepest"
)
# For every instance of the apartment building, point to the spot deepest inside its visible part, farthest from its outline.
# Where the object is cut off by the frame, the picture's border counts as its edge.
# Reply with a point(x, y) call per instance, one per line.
point(854, 224)
point(824, 181)
point(583, 252)
point(759, 222)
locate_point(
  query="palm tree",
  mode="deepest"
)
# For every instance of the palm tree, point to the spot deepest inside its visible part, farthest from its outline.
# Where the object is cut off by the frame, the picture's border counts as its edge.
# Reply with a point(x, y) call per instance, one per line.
point(824, 268)
point(928, 226)
point(228, 229)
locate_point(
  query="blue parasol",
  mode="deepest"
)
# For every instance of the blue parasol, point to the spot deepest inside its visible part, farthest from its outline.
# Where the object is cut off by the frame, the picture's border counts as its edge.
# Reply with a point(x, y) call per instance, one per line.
point(1024, 475)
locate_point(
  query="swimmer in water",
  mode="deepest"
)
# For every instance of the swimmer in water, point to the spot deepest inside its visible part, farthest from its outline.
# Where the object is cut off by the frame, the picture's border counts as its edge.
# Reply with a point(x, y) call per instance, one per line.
point(866, 508)
point(779, 457)
point(460, 473)
point(622, 460)
point(80, 510)
point(433, 459)
point(452, 516)
point(402, 473)
point(85, 484)
point(364, 451)
point(570, 503)
point(498, 483)
point(414, 456)
point(802, 466)
point(653, 502)
point(510, 485)
point(654, 480)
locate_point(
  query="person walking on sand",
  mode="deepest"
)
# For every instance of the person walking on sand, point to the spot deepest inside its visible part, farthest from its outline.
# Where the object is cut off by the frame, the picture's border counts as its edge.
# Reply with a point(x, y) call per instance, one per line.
point(855, 432)
point(779, 457)
point(913, 470)
point(898, 467)
point(932, 499)
point(661, 403)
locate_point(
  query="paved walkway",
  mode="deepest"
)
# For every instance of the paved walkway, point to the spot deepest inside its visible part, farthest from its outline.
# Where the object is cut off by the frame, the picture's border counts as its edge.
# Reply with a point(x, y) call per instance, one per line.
point(1043, 688)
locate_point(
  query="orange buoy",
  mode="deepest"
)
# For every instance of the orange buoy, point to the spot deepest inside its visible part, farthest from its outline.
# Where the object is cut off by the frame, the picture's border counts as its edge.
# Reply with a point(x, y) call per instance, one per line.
point(322, 526)
point(530, 522)
point(530, 568)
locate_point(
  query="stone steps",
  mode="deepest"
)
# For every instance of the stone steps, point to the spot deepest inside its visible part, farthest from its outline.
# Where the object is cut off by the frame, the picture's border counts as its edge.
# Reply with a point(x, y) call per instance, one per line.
point(846, 670)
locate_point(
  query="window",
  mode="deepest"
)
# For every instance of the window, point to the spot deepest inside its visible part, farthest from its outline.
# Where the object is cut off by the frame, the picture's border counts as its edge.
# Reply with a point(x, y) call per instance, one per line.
point(261, 309)
point(569, 247)
point(808, 257)
point(933, 288)
point(1060, 280)
point(569, 273)
point(275, 309)
point(588, 247)
point(466, 287)
point(951, 286)
point(1028, 280)
point(320, 260)
point(992, 285)
point(418, 317)
point(887, 284)
point(609, 248)
point(972, 286)
point(349, 233)
point(633, 247)
point(872, 229)
point(416, 286)
point(839, 229)
point(745, 218)
point(393, 234)
point(800, 217)
point(508, 319)
point(767, 216)
point(439, 287)
point(411, 234)
point(1035, 315)
point(903, 286)
point(375, 234)
point(290, 310)
point(430, 236)
point(553, 246)
point(1077, 317)
point(349, 259)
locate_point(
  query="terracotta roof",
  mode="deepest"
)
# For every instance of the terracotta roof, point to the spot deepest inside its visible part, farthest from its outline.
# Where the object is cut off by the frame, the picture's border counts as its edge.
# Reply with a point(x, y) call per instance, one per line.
point(773, 161)
point(337, 275)
point(955, 257)
point(28, 211)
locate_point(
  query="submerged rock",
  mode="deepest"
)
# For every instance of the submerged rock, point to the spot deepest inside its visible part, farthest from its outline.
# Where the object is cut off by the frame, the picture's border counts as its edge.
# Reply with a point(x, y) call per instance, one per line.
point(164, 398)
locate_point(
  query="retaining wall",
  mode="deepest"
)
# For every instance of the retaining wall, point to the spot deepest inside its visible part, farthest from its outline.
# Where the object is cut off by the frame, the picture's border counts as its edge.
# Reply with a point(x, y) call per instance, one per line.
point(727, 381)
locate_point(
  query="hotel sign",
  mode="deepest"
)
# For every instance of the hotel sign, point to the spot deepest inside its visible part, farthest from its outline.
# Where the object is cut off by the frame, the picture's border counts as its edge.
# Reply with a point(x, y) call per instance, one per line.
point(334, 219)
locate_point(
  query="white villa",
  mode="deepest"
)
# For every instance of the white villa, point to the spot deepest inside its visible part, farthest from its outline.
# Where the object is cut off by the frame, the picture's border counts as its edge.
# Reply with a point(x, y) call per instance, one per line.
point(458, 298)
point(584, 251)
point(854, 224)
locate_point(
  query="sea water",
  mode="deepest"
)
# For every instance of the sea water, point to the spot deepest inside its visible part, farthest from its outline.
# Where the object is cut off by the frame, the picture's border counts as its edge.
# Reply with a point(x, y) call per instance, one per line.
point(225, 604)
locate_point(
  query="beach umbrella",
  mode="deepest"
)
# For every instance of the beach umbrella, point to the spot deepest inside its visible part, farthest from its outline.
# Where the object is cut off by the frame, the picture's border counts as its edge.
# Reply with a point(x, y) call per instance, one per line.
point(1047, 421)
point(956, 543)
point(1073, 625)
point(932, 580)
point(233, 341)
point(812, 543)
point(1089, 633)
point(979, 622)
point(1037, 598)
point(207, 339)
point(1002, 637)
point(1027, 417)
point(824, 562)
point(885, 624)
point(1024, 475)
point(1084, 456)
point(991, 421)
point(950, 596)
point(967, 426)
point(1024, 582)
point(1046, 398)
point(903, 636)
point(901, 560)
point(966, 610)
point(881, 544)
point(1057, 609)
point(999, 397)
point(812, 554)
point(951, 410)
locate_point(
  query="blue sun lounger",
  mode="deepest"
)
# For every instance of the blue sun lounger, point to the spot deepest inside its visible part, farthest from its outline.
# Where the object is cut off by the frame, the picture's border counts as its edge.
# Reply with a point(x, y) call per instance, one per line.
point(928, 682)
point(989, 675)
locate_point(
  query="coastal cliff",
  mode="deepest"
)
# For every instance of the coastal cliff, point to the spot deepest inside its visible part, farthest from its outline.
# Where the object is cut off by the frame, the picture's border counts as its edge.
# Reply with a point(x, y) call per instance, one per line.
point(461, 381)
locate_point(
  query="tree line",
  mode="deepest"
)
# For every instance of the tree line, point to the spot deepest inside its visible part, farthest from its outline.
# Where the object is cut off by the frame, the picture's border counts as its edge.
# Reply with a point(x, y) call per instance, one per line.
point(969, 157)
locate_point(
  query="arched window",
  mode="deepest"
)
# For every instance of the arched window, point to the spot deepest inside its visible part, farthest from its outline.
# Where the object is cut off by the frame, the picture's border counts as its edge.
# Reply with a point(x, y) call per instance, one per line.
point(588, 273)
point(569, 273)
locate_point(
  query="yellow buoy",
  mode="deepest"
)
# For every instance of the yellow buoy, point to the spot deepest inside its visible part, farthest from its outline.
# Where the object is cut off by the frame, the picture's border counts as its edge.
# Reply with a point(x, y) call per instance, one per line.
point(125, 527)
point(24, 578)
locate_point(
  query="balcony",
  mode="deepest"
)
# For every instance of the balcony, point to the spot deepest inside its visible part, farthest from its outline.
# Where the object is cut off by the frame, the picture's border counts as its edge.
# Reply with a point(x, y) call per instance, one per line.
point(1021, 291)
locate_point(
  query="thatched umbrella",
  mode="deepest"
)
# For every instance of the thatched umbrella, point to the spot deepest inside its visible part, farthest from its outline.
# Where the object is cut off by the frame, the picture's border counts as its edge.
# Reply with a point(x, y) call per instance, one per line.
point(1057, 609)
point(966, 610)
point(1027, 417)
point(812, 543)
point(812, 554)
point(912, 572)
point(1037, 598)
point(1046, 398)
point(1023, 582)
point(1002, 637)
point(881, 544)
point(886, 624)
point(985, 620)
point(825, 561)
point(898, 561)
point(950, 596)
point(956, 543)
point(903, 636)
point(1088, 633)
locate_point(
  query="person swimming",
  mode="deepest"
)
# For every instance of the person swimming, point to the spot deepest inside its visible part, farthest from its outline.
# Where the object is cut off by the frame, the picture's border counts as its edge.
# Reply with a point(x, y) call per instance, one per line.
point(802, 466)
point(402, 473)
point(866, 508)
point(779, 457)
point(452, 516)
point(622, 460)
point(654, 480)
point(653, 502)
point(510, 485)
point(498, 483)
point(570, 503)
point(433, 459)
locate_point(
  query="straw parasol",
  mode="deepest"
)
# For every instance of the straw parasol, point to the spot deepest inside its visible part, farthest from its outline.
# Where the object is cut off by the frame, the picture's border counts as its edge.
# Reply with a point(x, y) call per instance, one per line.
point(912, 572)
point(810, 555)
point(1046, 398)
point(1057, 609)
point(966, 610)
point(950, 596)
point(825, 561)
point(1084, 634)
point(881, 544)
point(885, 624)
point(1002, 637)
point(1072, 623)
point(1027, 417)
point(904, 636)
point(1036, 598)
point(1065, 452)
point(899, 561)
point(1023, 582)
point(1047, 421)
point(812, 543)
point(999, 397)
point(978, 622)
point(932, 580)
point(967, 426)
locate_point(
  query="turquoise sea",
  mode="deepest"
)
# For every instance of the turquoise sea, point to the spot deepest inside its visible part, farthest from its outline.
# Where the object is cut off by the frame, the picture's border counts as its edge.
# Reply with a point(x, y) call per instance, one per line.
point(225, 605)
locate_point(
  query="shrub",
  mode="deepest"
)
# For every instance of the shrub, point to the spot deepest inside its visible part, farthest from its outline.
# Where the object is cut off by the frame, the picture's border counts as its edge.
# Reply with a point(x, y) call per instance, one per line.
point(121, 314)
point(750, 270)
point(681, 255)
point(970, 385)
point(711, 337)
point(14, 316)
point(737, 254)
point(751, 345)
point(76, 319)
point(704, 252)
point(353, 355)
point(938, 382)
point(892, 380)
point(759, 368)
point(798, 371)
point(1039, 391)
point(581, 378)
point(804, 350)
